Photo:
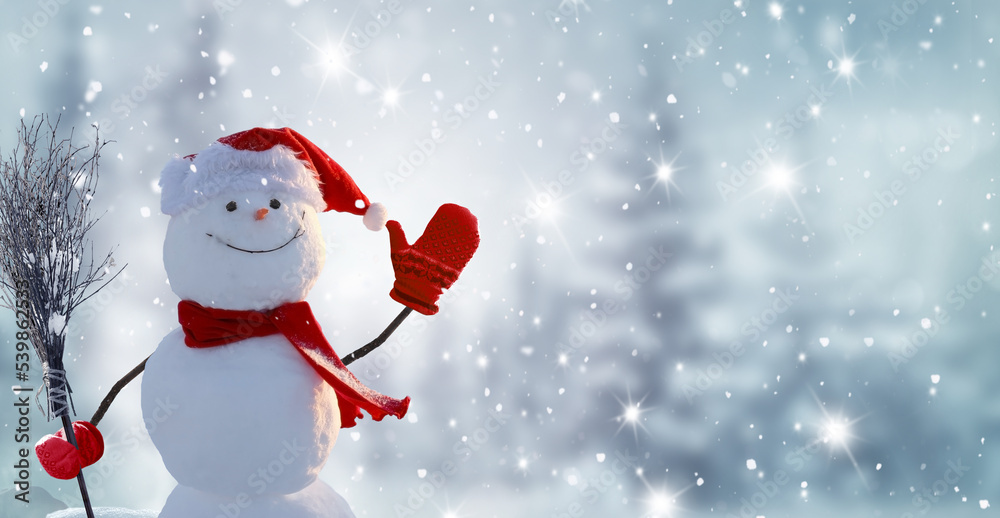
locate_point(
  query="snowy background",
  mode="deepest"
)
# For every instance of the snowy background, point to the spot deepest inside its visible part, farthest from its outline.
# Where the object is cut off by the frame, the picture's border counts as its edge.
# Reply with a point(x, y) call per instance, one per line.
point(736, 260)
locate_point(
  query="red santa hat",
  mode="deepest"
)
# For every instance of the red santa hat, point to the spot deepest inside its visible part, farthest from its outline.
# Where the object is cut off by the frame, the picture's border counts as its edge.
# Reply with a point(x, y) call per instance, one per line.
point(259, 159)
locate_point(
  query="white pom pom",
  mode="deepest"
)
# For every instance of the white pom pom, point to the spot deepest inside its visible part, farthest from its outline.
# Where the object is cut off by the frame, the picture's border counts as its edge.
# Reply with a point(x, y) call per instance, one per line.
point(376, 216)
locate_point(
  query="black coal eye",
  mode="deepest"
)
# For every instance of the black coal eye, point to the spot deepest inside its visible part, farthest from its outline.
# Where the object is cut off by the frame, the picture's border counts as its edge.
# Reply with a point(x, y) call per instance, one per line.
point(231, 206)
point(275, 203)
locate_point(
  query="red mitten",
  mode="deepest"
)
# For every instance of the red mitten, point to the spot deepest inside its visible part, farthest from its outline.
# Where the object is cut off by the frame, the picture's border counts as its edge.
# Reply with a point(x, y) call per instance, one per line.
point(432, 264)
point(89, 442)
point(61, 460)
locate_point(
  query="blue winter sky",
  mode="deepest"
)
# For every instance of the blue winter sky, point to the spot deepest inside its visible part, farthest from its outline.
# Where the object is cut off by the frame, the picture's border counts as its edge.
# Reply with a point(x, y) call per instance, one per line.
point(737, 258)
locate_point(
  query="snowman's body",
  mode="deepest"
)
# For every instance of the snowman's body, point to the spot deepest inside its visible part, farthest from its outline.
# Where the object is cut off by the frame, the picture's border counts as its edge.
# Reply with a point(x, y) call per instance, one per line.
point(250, 417)
point(244, 427)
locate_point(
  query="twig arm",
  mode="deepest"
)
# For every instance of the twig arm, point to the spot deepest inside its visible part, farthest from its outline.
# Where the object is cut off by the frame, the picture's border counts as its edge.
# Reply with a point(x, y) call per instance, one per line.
point(106, 403)
point(370, 346)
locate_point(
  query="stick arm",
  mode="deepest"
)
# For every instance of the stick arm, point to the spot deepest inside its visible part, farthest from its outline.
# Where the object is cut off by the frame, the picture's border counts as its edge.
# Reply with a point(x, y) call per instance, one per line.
point(371, 346)
point(106, 403)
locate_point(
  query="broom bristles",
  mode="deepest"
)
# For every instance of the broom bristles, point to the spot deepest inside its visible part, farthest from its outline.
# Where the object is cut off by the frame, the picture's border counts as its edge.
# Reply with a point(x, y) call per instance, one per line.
point(46, 186)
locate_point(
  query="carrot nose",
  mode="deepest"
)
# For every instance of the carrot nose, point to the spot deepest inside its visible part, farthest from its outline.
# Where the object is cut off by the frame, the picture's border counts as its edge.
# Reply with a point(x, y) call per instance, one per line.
point(259, 215)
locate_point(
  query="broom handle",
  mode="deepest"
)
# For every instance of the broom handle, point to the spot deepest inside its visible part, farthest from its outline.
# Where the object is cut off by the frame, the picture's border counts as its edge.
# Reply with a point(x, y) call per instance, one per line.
point(71, 437)
point(360, 352)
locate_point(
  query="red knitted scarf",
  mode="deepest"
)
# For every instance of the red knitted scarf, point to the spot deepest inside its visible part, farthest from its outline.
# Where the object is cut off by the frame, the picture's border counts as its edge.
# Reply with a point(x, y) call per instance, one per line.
point(209, 327)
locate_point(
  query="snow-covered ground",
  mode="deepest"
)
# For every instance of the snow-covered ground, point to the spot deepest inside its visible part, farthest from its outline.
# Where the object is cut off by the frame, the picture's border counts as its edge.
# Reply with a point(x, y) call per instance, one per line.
point(104, 512)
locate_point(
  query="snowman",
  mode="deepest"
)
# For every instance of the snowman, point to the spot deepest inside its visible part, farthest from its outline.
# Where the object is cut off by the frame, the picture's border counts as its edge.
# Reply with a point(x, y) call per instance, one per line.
point(244, 401)
point(247, 396)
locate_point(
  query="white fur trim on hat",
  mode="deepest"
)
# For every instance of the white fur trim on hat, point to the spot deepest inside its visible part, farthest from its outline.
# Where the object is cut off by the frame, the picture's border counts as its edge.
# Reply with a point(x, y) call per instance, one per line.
point(187, 183)
point(375, 216)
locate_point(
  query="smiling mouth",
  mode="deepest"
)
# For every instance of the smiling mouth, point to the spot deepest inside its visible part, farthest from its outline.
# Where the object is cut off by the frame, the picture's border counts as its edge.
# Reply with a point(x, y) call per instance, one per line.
point(298, 233)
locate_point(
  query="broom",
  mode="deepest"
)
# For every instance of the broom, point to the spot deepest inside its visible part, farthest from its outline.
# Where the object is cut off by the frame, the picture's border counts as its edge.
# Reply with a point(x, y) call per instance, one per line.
point(47, 264)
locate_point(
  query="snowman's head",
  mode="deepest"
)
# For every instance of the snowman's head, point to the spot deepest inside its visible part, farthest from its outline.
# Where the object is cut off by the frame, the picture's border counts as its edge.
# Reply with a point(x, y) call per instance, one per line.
point(244, 232)
point(244, 250)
